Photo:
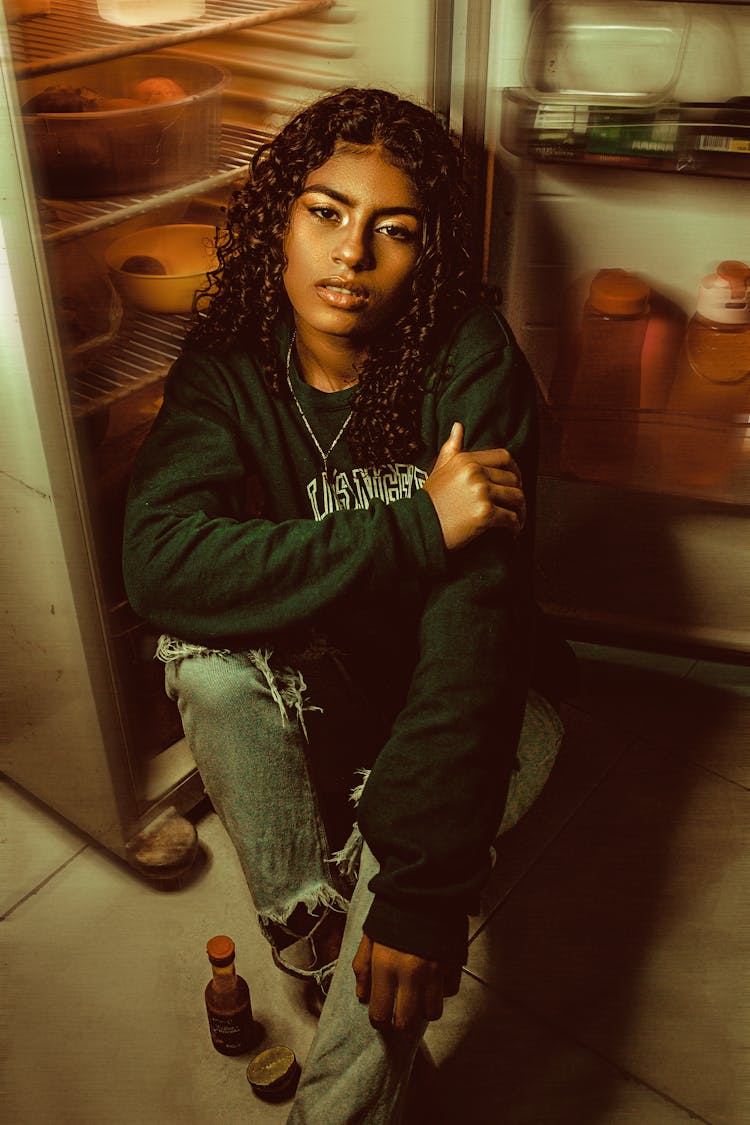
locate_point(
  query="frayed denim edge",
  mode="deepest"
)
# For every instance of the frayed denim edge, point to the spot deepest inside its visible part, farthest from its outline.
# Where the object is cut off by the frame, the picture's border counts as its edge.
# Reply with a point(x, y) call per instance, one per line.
point(347, 858)
point(286, 686)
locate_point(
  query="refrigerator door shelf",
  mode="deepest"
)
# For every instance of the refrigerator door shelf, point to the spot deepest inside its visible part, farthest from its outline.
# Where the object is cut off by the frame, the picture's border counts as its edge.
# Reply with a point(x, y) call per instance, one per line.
point(679, 583)
point(651, 451)
point(697, 139)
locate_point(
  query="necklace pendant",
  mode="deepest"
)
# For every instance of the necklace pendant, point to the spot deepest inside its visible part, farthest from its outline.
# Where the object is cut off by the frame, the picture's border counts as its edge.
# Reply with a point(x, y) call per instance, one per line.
point(324, 454)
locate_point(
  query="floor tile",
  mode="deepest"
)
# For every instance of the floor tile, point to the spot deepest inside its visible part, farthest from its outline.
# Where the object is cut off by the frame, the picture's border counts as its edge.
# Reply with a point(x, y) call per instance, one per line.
point(700, 708)
point(106, 977)
point(33, 844)
point(725, 748)
point(731, 678)
point(589, 750)
point(497, 1064)
point(631, 934)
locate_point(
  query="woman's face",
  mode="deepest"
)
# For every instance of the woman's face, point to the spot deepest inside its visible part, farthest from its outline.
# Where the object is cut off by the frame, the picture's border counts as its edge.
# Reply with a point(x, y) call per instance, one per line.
point(352, 244)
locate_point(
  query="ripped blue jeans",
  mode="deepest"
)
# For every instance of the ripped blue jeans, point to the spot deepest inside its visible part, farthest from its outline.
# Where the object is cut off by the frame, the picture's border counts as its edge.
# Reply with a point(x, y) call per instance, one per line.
point(246, 718)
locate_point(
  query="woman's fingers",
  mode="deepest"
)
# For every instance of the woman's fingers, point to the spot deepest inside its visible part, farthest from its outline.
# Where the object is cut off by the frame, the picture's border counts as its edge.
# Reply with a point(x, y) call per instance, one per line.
point(511, 500)
point(362, 971)
point(509, 477)
point(472, 492)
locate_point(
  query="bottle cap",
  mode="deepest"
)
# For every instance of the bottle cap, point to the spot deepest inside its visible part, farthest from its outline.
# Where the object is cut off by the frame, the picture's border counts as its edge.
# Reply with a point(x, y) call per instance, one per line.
point(724, 296)
point(619, 293)
point(273, 1073)
point(220, 950)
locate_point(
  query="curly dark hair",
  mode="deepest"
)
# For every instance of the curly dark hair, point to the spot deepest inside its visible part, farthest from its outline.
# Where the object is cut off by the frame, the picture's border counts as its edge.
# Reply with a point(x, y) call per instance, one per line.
point(247, 295)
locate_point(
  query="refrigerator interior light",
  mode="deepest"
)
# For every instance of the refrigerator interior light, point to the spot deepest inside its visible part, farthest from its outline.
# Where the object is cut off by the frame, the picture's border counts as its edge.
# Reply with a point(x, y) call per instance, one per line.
point(136, 13)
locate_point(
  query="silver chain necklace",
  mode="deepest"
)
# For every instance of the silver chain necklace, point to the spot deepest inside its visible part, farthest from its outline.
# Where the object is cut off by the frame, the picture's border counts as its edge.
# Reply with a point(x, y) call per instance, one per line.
point(327, 453)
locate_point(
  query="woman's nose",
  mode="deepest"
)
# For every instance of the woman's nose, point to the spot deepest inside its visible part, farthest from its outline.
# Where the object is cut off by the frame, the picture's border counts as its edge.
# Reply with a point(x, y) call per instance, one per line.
point(353, 249)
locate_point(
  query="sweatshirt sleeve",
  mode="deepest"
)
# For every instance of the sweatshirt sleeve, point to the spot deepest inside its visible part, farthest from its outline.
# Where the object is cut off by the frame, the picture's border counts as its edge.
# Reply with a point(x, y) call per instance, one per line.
point(194, 565)
point(435, 797)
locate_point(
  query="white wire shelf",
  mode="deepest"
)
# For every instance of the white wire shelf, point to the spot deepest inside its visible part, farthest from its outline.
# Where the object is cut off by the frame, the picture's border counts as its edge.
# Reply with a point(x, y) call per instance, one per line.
point(65, 219)
point(73, 35)
point(142, 354)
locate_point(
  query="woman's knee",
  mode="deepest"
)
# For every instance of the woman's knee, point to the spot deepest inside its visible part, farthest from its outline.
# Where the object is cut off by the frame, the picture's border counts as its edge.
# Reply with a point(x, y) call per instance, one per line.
point(219, 685)
point(215, 682)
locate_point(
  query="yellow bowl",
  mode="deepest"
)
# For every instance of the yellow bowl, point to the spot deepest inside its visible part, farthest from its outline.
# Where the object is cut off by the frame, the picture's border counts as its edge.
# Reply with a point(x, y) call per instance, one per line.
point(186, 251)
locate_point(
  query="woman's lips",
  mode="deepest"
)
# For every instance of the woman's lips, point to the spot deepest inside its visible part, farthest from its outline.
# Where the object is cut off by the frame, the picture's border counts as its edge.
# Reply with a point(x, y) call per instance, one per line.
point(341, 296)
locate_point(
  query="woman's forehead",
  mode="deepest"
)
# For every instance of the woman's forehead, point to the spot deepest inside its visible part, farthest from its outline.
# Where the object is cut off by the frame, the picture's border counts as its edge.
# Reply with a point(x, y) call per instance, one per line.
point(364, 169)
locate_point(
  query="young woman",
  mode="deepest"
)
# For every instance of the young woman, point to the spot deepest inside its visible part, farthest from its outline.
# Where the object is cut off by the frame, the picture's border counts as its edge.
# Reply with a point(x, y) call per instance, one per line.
point(329, 525)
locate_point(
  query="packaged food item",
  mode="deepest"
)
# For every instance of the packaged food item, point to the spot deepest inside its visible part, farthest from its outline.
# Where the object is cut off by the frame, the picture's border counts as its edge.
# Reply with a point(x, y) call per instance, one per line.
point(706, 426)
point(601, 397)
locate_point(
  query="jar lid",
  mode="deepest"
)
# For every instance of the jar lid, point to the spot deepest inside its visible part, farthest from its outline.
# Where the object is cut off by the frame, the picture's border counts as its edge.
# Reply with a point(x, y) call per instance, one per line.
point(618, 293)
point(220, 950)
point(272, 1073)
point(724, 296)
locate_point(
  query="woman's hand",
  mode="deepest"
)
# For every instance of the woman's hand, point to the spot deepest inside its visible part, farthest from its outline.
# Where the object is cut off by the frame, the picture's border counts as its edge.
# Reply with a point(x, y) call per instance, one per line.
point(473, 492)
point(402, 989)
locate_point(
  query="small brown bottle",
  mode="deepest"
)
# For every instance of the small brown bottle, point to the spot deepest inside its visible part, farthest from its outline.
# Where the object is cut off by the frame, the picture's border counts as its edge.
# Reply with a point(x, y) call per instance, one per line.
point(230, 1015)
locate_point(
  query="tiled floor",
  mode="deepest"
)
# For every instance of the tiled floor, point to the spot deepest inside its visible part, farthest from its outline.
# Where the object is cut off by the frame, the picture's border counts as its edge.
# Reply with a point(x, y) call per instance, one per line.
point(606, 983)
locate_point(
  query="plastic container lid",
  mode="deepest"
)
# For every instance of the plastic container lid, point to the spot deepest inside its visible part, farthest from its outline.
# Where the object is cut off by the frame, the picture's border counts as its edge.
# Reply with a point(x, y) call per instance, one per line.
point(724, 296)
point(618, 293)
point(594, 51)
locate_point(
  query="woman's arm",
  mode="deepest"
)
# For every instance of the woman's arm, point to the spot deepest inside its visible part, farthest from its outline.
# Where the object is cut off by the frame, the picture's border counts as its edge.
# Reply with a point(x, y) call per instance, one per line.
point(435, 797)
point(196, 566)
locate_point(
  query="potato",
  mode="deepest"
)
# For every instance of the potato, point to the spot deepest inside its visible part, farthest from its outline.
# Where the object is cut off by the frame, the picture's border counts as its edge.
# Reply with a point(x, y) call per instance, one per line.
point(158, 89)
point(63, 99)
point(143, 263)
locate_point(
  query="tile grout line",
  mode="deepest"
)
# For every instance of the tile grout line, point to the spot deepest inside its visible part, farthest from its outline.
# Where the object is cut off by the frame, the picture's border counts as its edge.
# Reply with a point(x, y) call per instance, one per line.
point(667, 746)
point(565, 1033)
point(35, 890)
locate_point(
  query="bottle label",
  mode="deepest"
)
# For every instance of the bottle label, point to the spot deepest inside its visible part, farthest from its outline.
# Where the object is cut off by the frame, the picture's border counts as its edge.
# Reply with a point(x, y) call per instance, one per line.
point(231, 1032)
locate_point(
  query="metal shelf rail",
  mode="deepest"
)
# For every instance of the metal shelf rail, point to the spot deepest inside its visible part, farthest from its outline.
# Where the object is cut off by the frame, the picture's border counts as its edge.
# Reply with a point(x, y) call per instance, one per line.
point(74, 35)
point(147, 345)
point(75, 218)
point(141, 356)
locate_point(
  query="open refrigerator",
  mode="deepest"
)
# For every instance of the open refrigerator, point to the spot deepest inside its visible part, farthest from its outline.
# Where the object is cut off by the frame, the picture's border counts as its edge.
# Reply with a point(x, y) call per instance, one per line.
point(619, 136)
point(632, 558)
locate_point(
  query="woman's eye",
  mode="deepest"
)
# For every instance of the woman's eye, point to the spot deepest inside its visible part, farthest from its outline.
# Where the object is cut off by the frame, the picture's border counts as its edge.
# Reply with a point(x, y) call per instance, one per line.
point(395, 230)
point(323, 212)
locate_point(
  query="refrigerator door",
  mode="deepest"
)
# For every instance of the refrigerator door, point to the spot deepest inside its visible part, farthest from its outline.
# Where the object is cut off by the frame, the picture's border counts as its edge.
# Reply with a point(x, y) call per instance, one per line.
point(90, 730)
point(64, 739)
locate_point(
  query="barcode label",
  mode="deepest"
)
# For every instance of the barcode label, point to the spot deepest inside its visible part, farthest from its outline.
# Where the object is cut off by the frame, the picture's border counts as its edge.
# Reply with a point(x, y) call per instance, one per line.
point(723, 144)
point(561, 118)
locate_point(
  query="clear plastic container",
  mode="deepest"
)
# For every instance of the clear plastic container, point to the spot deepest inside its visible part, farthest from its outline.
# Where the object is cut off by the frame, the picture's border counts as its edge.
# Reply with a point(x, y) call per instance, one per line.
point(592, 51)
point(125, 146)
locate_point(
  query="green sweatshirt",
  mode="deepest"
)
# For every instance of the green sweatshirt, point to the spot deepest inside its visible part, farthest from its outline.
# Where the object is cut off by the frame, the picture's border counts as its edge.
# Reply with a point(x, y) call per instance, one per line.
point(359, 556)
